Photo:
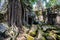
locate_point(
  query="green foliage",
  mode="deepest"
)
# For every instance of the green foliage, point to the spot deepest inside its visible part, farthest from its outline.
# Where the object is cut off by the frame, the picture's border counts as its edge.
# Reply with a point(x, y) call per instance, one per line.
point(51, 3)
point(58, 2)
point(33, 1)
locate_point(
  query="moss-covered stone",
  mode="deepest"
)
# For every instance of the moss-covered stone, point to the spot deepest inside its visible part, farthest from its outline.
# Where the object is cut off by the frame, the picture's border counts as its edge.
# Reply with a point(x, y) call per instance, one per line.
point(33, 33)
point(53, 35)
point(33, 30)
point(58, 37)
point(29, 37)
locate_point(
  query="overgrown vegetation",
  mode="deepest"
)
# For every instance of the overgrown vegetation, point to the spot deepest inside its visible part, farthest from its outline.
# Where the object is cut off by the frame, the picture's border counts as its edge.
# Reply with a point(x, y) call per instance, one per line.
point(18, 20)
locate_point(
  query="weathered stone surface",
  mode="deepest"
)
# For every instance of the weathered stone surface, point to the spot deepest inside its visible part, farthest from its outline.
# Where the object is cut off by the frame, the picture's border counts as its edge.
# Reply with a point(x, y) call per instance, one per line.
point(1, 38)
point(21, 37)
point(3, 27)
point(33, 30)
point(30, 37)
point(8, 38)
point(12, 32)
point(45, 27)
point(40, 35)
point(49, 38)
point(3, 6)
point(25, 29)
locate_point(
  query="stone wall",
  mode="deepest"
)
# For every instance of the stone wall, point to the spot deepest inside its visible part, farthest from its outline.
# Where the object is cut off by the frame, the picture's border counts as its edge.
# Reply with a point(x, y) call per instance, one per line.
point(58, 20)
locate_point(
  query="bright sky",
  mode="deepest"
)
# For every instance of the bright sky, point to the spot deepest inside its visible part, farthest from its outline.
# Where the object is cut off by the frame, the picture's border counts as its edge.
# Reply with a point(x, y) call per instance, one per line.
point(47, 0)
point(2, 2)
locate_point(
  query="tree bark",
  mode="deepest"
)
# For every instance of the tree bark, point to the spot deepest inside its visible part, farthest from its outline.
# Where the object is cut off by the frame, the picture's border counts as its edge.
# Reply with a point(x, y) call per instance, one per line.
point(15, 13)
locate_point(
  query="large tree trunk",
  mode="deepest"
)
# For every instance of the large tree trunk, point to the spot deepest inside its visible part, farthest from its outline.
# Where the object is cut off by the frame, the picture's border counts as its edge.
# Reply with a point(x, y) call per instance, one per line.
point(15, 13)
